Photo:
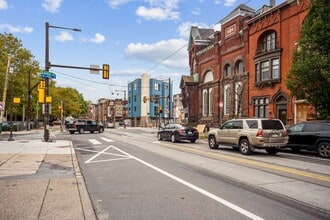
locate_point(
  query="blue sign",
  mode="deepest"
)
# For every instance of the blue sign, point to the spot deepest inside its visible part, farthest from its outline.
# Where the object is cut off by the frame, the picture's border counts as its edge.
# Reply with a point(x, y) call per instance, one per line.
point(50, 75)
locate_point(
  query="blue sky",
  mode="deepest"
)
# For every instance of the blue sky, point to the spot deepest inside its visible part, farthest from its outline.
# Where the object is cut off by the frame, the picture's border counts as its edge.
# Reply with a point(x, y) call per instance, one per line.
point(132, 36)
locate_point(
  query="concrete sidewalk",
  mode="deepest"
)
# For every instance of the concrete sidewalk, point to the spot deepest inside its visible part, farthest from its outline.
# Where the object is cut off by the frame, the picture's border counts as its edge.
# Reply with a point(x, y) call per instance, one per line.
point(41, 180)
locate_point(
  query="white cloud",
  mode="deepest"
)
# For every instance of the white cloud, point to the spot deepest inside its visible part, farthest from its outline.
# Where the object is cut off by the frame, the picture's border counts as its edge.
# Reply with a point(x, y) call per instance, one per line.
point(98, 38)
point(159, 10)
point(170, 53)
point(117, 3)
point(196, 11)
point(64, 36)
point(17, 29)
point(229, 2)
point(52, 5)
point(3, 4)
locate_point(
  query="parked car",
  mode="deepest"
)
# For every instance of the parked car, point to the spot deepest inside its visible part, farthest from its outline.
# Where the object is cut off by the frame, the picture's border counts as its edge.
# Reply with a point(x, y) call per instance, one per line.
point(310, 135)
point(248, 134)
point(82, 125)
point(177, 132)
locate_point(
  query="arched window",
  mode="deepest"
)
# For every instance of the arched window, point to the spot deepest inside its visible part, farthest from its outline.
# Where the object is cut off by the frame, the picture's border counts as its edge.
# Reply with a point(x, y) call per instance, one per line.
point(205, 102)
point(226, 106)
point(267, 42)
point(239, 66)
point(210, 102)
point(208, 77)
point(227, 70)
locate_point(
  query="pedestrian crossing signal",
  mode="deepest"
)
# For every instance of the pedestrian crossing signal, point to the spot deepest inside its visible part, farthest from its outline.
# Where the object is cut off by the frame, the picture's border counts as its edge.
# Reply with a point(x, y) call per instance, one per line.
point(106, 71)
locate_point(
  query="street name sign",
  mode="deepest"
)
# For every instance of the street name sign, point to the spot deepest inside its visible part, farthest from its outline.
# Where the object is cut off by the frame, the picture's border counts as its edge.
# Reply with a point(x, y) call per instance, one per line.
point(50, 75)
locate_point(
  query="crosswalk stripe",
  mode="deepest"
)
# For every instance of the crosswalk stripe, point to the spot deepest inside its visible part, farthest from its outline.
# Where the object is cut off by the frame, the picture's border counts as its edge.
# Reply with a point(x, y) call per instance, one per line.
point(94, 141)
point(107, 139)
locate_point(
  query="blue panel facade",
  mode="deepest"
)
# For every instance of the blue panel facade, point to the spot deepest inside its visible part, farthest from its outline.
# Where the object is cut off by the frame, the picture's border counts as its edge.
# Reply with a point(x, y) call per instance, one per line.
point(134, 99)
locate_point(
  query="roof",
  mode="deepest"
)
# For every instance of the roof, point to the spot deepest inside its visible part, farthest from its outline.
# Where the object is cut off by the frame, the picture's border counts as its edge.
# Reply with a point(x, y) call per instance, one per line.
point(240, 10)
point(201, 36)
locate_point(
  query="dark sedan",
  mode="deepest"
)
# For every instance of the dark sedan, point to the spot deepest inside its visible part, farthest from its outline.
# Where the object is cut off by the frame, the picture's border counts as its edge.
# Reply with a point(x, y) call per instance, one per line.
point(310, 135)
point(177, 132)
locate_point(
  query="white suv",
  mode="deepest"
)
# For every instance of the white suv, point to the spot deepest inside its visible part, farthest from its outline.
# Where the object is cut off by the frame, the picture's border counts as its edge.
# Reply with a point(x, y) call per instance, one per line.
point(248, 134)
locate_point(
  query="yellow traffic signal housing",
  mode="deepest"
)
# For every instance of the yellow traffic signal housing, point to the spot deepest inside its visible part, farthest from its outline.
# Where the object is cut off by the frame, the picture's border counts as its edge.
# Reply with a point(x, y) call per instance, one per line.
point(151, 98)
point(42, 84)
point(145, 99)
point(41, 96)
point(106, 71)
point(160, 109)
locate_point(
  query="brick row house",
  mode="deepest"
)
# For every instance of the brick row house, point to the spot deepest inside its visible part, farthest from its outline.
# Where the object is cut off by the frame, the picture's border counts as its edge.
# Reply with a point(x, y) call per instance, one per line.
point(241, 70)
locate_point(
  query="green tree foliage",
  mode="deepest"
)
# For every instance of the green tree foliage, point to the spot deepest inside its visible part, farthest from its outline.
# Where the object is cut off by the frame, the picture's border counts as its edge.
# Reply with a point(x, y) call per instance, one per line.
point(309, 77)
point(23, 64)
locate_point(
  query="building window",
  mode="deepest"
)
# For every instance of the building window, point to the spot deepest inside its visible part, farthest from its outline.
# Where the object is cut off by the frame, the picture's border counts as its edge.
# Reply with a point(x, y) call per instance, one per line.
point(268, 42)
point(157, 87)
point(264, 70)
point(239, 66)
point(210, 102)
point(205, 103)
point(275, 69)
point(267, 70)
point(135, 86)
point(227, 70)
point(238, 98)
point(226, 106)
point(261, 107)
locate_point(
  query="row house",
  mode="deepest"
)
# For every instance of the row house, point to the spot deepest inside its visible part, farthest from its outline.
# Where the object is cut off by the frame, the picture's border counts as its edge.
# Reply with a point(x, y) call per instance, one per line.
point(149, 101)
point(109, 111)
point(241, 70)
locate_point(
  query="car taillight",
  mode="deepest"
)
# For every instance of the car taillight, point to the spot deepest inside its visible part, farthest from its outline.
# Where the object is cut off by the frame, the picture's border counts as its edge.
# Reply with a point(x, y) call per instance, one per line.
point(259, 133)
point(181, 131)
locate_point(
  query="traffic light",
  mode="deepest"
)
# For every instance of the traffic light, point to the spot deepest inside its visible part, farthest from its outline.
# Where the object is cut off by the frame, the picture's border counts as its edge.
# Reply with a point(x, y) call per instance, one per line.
point(106, 71)
point(151, 98)
point(145, 99)
point(42, 84)
point(160, 109)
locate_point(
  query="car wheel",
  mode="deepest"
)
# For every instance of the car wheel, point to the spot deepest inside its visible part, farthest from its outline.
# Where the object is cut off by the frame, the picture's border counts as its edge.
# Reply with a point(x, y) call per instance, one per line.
point(101, 130)
point(92, 132)
point(323, 149)
point(193, 141)
point(159, 137)
point(213, 143)
point(272, 151)
point(81, 131)
point(173, 138)
point(244, 147)
point(71, 132)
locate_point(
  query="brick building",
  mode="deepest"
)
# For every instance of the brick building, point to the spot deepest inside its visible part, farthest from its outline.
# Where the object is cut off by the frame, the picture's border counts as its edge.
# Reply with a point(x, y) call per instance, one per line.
point(241, 70)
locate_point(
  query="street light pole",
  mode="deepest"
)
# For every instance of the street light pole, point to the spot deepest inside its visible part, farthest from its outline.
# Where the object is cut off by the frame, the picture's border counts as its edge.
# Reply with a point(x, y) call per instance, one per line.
point(47, 68)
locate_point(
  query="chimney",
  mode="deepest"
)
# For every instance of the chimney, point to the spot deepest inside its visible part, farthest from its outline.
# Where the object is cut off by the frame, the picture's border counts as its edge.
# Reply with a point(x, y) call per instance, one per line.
point(272, 3)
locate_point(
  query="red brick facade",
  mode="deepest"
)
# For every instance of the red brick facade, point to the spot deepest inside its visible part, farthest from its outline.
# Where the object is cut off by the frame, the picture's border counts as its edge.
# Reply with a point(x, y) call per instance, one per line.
point(241, 70)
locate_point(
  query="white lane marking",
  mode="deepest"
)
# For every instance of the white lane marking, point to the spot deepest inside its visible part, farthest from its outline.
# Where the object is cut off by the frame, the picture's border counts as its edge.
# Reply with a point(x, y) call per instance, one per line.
point(96, 155)
point(107, 139)
point(92, 160)
point(94, 141)
point(196, 188)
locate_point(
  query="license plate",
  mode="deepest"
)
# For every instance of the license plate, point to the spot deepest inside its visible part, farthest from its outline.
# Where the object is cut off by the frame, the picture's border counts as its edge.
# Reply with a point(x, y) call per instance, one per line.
point(189, 132)
point(274, 135)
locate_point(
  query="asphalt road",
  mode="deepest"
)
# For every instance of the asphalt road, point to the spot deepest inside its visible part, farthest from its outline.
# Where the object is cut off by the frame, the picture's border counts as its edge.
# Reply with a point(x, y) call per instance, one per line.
point(131, 175)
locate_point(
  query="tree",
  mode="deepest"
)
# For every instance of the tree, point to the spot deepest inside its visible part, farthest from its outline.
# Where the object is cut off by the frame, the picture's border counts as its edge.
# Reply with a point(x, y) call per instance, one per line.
point(309, 76)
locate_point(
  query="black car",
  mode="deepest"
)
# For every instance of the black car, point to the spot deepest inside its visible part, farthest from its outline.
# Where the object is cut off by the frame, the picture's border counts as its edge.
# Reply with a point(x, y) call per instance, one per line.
point(177, 132)
point(310, 135)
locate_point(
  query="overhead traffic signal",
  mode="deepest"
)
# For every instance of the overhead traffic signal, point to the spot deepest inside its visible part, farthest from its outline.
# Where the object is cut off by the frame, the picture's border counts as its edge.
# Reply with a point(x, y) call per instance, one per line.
point(106, 71)
point(145, 99)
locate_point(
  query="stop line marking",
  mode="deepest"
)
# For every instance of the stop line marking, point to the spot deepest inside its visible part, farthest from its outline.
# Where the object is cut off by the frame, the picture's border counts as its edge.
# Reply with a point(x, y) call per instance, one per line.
point(94, 141)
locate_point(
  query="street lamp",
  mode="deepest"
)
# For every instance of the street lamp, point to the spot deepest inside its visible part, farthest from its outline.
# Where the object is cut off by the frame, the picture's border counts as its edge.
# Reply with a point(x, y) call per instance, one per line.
point(47, 67)
point(11, 70)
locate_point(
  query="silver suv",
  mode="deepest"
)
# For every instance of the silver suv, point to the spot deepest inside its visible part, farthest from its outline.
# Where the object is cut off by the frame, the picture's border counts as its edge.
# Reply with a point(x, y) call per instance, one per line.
point(248, 134)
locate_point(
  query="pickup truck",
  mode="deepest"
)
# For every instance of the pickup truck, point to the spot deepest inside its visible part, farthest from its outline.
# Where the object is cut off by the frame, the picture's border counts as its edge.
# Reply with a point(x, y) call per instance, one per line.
point(82, 125)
